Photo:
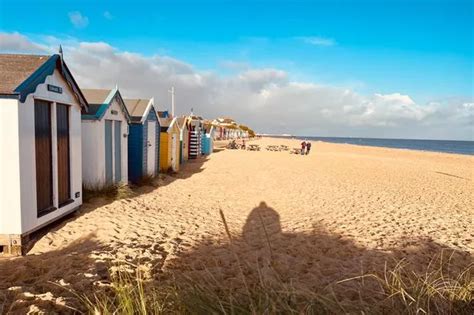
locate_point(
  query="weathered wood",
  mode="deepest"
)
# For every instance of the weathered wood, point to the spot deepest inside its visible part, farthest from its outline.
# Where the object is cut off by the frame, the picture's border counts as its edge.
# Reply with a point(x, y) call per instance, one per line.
point(44, 160)
point(64, 178)
point(13, 244)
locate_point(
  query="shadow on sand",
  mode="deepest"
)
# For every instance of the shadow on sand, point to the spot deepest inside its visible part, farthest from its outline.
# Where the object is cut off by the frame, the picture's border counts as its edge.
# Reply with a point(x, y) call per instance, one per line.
point(95, 201)
point(39, 279)
point(262, 259)
point(263, 256)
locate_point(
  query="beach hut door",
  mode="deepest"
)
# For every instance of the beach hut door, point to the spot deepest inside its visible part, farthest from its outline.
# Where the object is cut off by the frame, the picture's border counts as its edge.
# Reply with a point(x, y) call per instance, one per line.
point(64, 172)
point(44, 157)
point(151, 148)
point(108, 153)
point(118, 150)
point(173, 151)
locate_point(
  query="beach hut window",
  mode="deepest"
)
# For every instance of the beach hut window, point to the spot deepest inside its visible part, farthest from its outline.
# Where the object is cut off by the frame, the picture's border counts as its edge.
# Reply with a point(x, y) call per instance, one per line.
point(44, 157)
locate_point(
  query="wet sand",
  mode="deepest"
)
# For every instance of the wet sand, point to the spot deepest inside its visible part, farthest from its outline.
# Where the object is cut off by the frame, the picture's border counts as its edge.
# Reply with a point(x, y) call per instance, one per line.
point(340, 211)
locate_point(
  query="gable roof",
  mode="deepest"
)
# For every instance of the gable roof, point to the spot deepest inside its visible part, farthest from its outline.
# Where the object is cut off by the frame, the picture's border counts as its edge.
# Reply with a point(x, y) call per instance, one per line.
point(167, 123)
point(163, 114)
point(21, 74)
point(96, 96)
point(100, 100)
point(182, 122)
point(14, 69)
point(138, 108)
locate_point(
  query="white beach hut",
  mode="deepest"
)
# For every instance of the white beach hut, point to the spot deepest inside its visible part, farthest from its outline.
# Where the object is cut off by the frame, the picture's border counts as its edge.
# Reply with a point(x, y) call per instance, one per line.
point(40, 145)
point(104, 139)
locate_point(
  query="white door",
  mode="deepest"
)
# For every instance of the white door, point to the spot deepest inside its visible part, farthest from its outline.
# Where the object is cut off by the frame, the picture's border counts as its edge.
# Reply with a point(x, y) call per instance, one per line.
point(151, 148)
point(173, 151)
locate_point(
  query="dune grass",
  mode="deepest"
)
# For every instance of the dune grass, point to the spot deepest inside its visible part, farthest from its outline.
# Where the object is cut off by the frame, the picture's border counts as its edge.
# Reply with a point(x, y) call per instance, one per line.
point(396, 290)
point(114, 192)
point(400, 292)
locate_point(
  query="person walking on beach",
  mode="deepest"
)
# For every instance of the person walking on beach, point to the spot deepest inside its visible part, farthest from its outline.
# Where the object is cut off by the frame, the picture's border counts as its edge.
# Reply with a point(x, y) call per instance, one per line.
point(308, 147)
point(303, 147)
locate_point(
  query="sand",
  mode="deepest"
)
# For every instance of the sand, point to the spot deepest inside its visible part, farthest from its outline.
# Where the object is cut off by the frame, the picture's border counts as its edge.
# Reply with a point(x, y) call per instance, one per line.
point(341, 211)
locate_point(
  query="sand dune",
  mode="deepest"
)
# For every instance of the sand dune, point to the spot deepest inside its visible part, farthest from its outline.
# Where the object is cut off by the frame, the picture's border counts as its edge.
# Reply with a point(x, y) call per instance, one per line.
point(337, 212)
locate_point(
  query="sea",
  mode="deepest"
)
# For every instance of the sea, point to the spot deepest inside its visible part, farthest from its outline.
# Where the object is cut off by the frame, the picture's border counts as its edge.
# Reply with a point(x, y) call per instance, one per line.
point(445, 146)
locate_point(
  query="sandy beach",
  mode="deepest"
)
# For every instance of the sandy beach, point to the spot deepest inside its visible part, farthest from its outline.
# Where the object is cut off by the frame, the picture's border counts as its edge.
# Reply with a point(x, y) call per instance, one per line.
point(339, 212)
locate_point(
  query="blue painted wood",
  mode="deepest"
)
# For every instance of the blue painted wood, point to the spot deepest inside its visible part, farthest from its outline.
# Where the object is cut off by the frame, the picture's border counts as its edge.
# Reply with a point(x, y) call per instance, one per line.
point(118, 150)
point(39, 76)
point(135, 152)
point(138, 148)
point(108, 153)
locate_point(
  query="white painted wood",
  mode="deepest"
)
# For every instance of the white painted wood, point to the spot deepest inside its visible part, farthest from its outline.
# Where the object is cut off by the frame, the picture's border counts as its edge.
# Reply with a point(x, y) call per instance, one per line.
point(174, 147)
point(10, 192)
point(93, 154)
point(151, 164)
point(18, 210)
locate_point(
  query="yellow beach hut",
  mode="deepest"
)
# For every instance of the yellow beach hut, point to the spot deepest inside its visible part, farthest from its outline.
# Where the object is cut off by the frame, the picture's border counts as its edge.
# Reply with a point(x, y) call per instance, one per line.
point(169, 144)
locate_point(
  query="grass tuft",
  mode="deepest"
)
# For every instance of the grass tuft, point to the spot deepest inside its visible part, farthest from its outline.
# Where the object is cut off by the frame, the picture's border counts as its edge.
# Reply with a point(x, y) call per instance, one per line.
point(114, 192)
point(397, 290)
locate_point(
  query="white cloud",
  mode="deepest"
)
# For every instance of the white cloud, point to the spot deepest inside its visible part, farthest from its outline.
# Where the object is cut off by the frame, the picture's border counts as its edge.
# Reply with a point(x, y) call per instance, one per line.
point(15, 42)
point(317, 41)
point(78, 20)
point(108, 15)
point(267, 99)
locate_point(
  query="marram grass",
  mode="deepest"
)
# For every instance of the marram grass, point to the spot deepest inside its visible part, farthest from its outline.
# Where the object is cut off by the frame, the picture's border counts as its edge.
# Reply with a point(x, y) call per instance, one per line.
point(400, 292)
point(397, 290)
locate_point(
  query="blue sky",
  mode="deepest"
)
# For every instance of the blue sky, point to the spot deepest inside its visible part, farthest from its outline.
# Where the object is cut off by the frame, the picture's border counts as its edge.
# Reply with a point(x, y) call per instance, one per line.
point(423, 49)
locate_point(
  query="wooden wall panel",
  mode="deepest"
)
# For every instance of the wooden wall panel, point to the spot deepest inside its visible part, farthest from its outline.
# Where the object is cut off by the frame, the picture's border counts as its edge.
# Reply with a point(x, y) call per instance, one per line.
point(64, 172)
point(44, 159)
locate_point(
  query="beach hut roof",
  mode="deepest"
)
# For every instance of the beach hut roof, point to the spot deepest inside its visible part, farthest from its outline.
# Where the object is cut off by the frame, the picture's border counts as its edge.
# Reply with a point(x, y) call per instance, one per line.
point(163, 114)
point(21, 74)
point(96, 96)
point(139, 108)
point(167, 123)
point(182, 122)
point(99, 101)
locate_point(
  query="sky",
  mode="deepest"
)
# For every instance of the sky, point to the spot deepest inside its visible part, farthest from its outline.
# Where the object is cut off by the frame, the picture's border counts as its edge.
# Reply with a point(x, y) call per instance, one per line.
point(389, 69)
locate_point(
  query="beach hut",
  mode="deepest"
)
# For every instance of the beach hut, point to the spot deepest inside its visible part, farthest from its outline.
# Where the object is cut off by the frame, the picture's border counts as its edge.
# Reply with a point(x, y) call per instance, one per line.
point(207, 137)
point(104, 139)
point(143, 139)
point(40, 139)
point(170, 144)
point(195, 136)
point(184, 139)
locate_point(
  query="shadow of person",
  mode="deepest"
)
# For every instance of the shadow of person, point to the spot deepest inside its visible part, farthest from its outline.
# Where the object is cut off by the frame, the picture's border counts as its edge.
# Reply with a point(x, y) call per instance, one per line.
point(262, 226)
point(308, 260)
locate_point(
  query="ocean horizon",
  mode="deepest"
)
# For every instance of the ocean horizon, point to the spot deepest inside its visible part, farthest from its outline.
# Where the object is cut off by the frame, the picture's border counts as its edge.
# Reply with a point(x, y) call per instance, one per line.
point(464, 147)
